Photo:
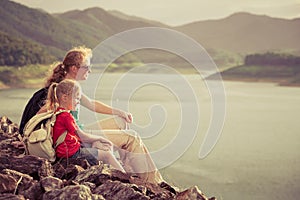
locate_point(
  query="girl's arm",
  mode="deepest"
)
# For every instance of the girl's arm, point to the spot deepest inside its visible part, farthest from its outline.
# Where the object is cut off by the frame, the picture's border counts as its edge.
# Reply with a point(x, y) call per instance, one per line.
point(89, 138)
point(102, 108)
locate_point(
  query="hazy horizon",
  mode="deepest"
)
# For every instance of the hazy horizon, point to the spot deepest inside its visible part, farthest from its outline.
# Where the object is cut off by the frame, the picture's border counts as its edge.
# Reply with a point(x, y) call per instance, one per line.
point(176, 14)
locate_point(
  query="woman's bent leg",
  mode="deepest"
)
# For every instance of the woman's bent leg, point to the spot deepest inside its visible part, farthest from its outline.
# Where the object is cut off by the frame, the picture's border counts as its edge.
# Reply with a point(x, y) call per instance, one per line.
point(113, 123)
point(134, 153)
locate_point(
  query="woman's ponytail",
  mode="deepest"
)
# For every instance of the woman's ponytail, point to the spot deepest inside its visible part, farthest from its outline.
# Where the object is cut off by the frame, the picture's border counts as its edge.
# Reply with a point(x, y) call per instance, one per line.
point(58, 74)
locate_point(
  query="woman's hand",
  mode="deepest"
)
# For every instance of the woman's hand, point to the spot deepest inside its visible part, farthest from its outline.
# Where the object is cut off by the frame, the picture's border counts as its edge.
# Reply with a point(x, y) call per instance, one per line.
point(127, 116)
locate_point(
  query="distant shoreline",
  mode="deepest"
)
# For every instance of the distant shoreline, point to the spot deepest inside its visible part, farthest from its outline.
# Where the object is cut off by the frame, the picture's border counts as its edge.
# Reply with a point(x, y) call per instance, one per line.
point(224, 78)
point(31, 86)
point(239, 73)
point(280, 75)
point(279, 82)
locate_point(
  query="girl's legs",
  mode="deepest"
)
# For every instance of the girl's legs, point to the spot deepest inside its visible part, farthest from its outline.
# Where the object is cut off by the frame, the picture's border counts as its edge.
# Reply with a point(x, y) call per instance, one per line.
point(134, 154)
point(109, 158)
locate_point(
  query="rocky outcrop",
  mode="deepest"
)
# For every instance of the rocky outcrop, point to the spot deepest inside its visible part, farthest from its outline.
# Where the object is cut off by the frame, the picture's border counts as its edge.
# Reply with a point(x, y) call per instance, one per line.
point(30, 177)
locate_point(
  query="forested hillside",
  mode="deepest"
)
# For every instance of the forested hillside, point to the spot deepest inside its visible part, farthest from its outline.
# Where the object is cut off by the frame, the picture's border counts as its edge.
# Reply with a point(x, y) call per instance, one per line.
point(52, 33)
point(20, 52)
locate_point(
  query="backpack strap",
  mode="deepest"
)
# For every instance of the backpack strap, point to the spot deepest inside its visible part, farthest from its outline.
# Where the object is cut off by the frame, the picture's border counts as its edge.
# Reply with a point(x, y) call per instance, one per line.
point(60, 139)
point(53, 118)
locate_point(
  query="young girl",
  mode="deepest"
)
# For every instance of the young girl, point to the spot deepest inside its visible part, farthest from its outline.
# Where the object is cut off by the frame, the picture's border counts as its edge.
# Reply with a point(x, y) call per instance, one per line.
point(66, 96)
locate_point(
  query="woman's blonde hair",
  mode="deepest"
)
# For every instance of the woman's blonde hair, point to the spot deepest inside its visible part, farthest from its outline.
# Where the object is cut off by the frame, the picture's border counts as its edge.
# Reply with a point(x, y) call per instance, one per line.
point(76, 56)
point(56, 90)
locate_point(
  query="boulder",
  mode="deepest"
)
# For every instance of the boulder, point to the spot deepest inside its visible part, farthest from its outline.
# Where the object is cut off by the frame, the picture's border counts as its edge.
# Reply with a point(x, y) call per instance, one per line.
point(32, 165)
point(8, 183)
point(117, 190)
point(6, 196)
point(74, 192)
point(9, 133)
point(24, 181)
point(192, 193)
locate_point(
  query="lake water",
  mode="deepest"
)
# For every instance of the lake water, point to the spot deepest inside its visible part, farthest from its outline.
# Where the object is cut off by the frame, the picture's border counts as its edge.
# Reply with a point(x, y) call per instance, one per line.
point(256, 157)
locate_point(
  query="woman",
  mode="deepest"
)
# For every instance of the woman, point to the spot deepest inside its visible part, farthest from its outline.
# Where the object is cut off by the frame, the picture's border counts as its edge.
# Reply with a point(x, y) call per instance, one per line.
point(133, 152)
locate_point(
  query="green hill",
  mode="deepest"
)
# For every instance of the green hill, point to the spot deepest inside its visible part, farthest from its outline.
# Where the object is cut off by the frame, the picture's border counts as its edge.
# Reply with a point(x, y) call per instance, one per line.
point(19, 52)
point(56, 34)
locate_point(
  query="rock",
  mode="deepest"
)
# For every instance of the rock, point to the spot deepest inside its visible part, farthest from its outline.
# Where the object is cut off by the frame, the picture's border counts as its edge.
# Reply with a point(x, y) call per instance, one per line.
point(9, 134)
point(192, 194)
point(111, 190)
point(72, 172)
point(92, 186)
point(30, 177)
point(51, 183)
point(24, 181)
point(66, 167)
point(152, 190)
point(59, 170)
point(74, 192)
point(90, 175)
point(34, 192)
point(8, 127)
point(108, 173)
point(72, 161)
point(8, 184)
point(11, 197)
point(28, 164)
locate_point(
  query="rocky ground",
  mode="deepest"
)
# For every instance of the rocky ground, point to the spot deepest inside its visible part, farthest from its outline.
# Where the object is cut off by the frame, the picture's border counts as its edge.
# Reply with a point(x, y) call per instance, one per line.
point(30, 177)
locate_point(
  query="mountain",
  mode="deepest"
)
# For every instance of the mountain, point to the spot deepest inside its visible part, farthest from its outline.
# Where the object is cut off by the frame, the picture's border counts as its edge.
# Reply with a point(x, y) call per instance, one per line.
point(246, 33)
point(110, 22)
point(135, 18)
point(52, 33)
point(227, 40)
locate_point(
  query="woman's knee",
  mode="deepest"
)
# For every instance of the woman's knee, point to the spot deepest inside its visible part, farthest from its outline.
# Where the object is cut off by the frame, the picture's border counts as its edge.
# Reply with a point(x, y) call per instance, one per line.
point(134, 140)
point(132, 135)
point(121, 123)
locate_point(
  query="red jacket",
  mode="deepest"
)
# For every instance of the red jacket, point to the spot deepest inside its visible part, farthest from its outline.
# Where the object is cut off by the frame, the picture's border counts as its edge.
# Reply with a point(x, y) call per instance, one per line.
point(65, 121)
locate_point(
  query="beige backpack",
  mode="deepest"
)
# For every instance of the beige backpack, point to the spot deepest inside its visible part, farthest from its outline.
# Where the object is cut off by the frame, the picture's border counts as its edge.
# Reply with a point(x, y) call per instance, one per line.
point(38, 135)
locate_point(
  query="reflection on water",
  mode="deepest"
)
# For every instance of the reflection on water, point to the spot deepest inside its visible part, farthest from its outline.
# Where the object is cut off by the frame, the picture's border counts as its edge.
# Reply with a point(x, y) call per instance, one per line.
point(257, 156)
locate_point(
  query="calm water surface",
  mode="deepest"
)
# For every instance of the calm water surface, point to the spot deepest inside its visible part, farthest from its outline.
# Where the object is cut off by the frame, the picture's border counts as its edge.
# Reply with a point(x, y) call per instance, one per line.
point(256, 157)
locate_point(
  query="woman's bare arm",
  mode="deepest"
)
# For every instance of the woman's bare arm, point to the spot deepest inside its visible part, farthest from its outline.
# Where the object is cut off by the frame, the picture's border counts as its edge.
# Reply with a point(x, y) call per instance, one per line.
point(102, 108)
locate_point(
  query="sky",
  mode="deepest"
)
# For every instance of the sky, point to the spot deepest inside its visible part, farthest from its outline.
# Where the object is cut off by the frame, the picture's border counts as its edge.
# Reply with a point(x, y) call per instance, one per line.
point(176, 12)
